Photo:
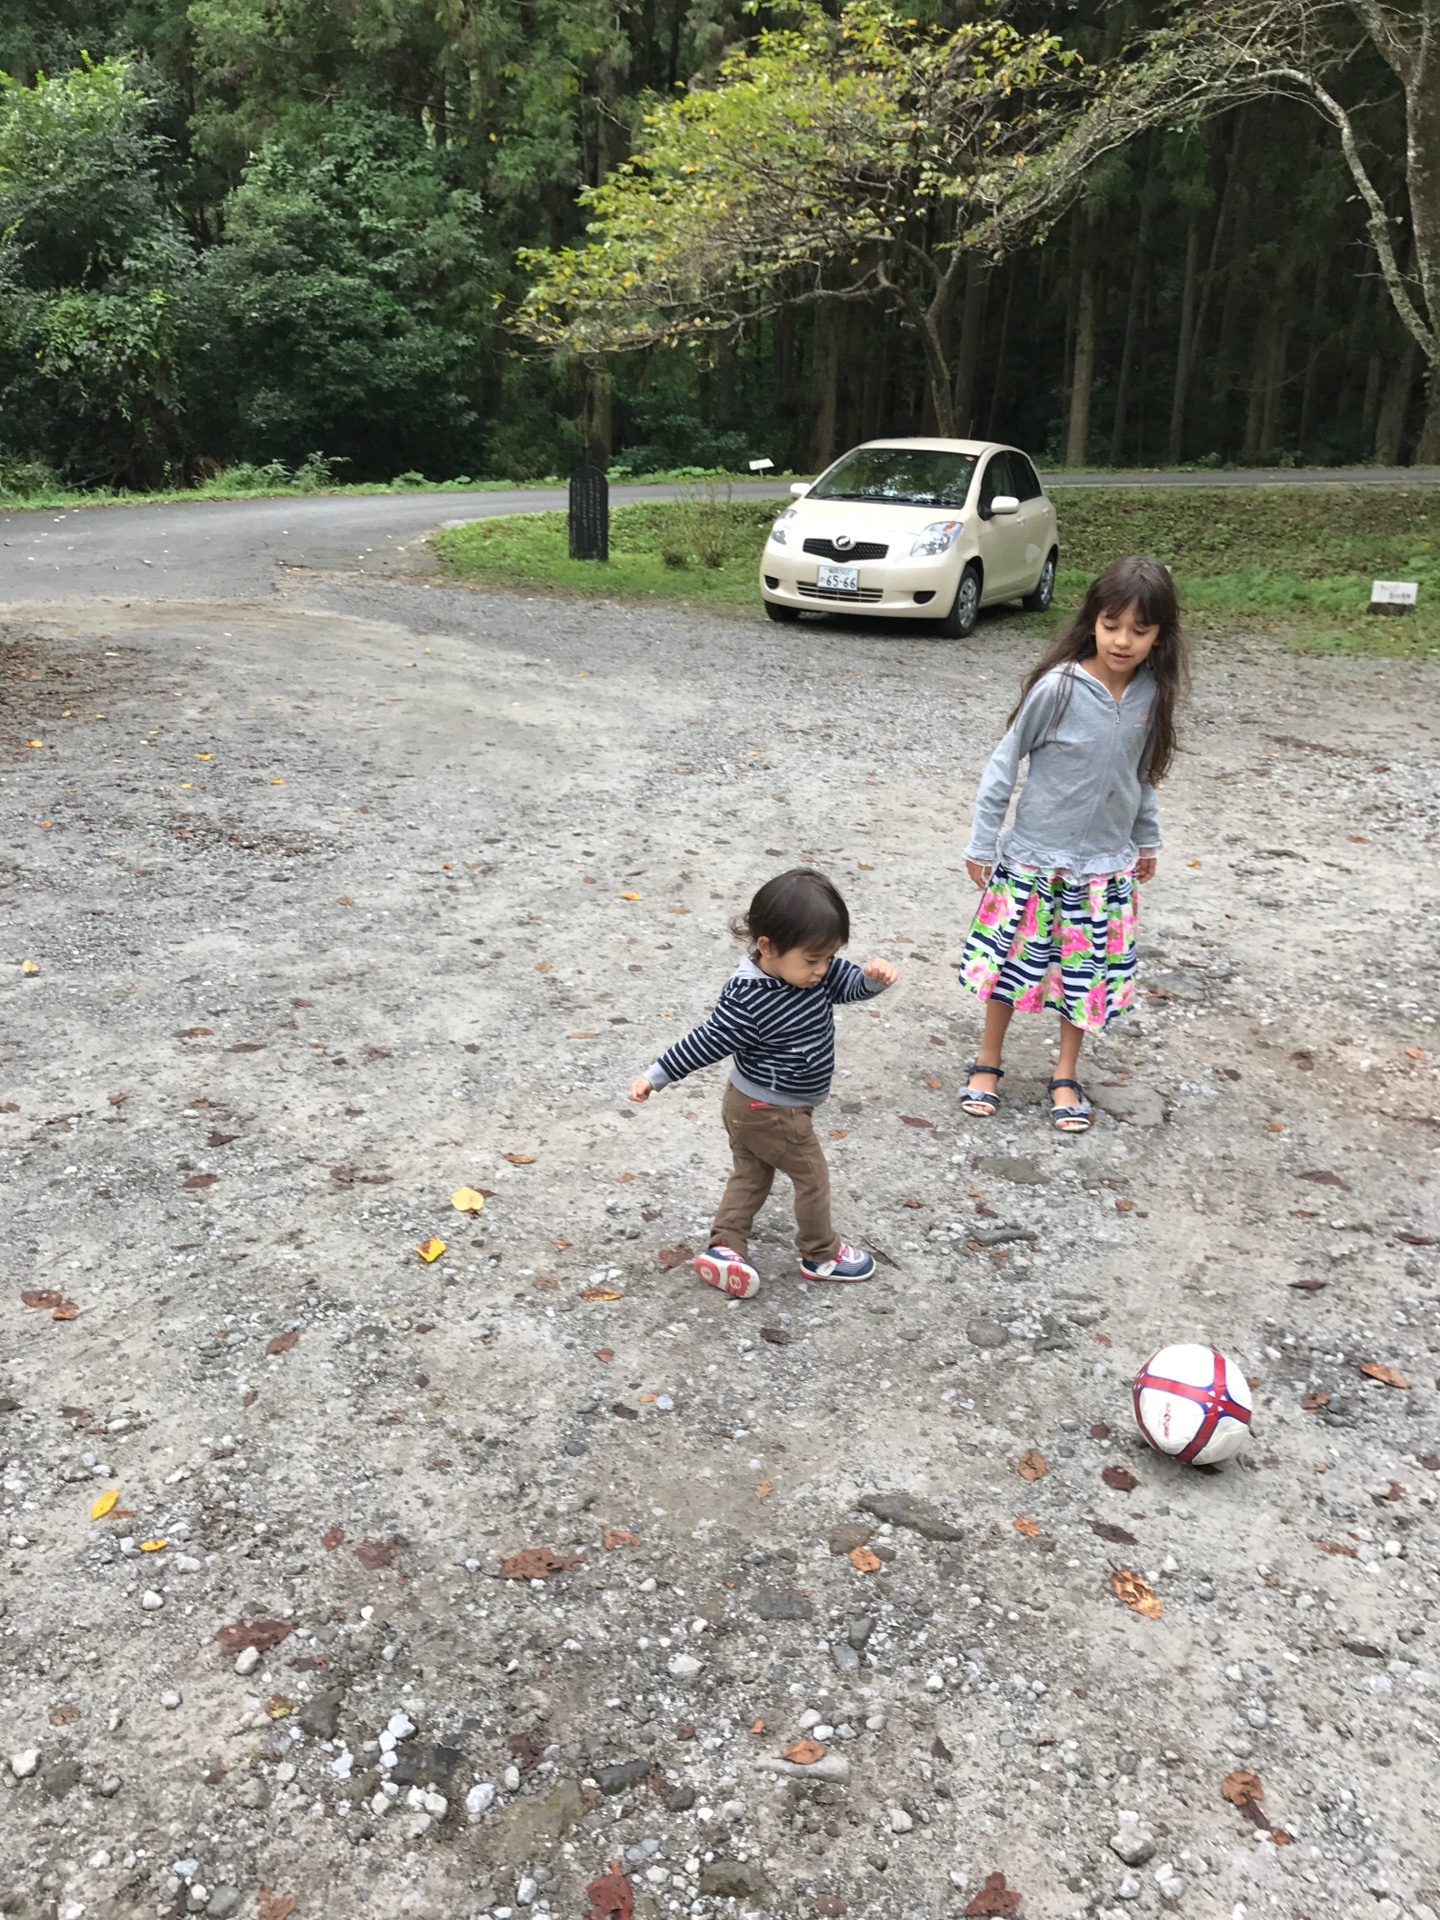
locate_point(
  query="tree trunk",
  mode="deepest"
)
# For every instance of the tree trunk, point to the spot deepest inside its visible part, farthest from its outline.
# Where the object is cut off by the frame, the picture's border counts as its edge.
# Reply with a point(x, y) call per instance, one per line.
point(1132, 315)
point(1370, 406)
point(937, 369)
point(824, 384)
point(1082, 380)
point(1183, 348)
point(1318, 343)
point(993, 411)
point(1427, 447)
point(978, 272)
point(1395, 406)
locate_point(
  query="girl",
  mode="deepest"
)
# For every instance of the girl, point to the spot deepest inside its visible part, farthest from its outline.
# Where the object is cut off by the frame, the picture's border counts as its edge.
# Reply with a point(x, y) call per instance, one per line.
point(1056, 924)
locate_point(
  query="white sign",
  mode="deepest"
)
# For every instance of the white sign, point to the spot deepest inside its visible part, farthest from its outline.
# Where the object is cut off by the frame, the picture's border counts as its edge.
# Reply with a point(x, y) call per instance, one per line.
point(1394, 593)
point(760, 466)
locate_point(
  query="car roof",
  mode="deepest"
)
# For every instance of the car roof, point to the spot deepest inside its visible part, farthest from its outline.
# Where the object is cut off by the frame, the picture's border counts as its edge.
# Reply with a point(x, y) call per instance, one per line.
point(941, 446)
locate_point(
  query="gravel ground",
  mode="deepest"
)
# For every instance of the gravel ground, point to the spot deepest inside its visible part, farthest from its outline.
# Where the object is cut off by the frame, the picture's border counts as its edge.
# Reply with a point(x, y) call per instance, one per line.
point(331, 914)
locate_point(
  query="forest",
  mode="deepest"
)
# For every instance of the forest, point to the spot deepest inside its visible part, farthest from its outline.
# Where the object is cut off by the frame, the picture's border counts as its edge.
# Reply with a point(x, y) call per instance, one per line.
point(296, 235)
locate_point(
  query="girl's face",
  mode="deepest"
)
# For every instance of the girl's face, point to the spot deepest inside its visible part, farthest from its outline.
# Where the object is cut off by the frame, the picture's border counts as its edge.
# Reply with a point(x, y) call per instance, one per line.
point(1123, 640)
point(796, 966)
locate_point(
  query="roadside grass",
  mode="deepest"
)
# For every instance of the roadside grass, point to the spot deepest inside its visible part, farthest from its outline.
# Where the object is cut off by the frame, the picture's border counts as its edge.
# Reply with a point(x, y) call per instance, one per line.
point(1292, 562)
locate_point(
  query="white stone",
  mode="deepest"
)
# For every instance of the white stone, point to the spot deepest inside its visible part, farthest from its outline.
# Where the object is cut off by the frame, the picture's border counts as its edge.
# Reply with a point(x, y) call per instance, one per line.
point(525, 1890)
point(436, 1805)
point(170, 1699)
point(401, 1725)
point(683, 1666)
point(246, 1661)
point(511, 1778)
point(23, 1764)
point(900, 1821)
point(152, 1601)
point(479, 1799)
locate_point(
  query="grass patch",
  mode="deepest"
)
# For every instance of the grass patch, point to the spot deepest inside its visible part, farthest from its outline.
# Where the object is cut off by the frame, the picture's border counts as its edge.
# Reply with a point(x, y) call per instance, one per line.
point(1293, 562)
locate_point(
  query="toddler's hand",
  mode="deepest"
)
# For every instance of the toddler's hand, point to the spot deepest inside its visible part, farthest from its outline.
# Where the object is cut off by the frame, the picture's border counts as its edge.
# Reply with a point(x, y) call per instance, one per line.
point(980, 872)
point(641, 1089)
point(881, 970)
point(1145, 868)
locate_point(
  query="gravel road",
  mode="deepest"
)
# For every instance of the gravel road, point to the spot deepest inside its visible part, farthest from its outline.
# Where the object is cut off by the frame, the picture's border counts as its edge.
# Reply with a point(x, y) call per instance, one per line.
point(319, 907)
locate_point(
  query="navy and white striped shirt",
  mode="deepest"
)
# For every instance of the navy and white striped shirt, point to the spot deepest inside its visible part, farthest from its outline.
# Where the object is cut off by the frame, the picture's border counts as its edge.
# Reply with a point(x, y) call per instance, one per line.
point(782, 1037)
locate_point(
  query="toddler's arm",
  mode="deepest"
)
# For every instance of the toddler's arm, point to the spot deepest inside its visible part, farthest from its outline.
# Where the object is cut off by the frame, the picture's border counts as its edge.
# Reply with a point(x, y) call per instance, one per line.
point(714, 1039)
point(846, 982)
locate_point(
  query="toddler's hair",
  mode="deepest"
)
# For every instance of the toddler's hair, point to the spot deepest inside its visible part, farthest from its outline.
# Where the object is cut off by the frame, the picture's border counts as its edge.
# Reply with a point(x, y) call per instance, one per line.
point(800, 908)
point(1137, 581)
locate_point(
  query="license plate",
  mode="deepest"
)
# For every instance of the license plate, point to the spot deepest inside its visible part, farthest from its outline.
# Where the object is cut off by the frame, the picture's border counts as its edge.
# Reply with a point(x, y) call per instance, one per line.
point(840, 579)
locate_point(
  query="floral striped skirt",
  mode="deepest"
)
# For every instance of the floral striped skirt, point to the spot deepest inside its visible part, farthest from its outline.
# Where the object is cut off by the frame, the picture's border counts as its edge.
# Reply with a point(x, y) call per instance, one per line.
point(1055, 941)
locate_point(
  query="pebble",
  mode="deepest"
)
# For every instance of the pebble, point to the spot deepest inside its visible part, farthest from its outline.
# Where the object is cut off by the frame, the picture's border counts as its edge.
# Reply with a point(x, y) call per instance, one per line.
point(246, 1661)
point(986, 1334)
point(224, 1902)
point(170, 1699)
point(151, 1601)
point(904, 1510)
point(525, 1890)
point(683, 1666)
point(23, 1764)
point(900, 1821)
point(401, 1725)
point(479, 1799)
point(844, 1656)
point(1132, 1842)
point(511, 1778)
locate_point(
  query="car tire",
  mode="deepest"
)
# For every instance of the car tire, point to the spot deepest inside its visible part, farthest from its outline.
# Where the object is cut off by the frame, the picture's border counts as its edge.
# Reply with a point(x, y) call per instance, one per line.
point(775, 610)
point(1043, 593)
point(959, 622)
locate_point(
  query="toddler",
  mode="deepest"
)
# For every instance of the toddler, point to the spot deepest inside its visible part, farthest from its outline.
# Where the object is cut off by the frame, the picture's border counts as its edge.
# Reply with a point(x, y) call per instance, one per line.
point(776, 1017)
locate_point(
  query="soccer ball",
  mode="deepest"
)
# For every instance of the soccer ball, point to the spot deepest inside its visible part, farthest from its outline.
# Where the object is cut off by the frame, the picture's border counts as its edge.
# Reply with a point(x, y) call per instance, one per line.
point(1192, 1403)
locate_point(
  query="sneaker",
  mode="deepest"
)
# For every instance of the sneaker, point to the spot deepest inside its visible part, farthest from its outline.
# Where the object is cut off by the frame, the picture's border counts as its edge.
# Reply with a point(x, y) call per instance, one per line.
point(850, 1263)
point(722, 1267)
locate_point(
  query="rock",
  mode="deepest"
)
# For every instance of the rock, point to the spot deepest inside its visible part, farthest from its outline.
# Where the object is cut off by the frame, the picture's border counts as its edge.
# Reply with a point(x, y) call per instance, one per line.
point(846, 1659)
point(1139, 1106)
point(683, 1666)
point(526, 1888)
point(197, 1897)
point(253, 1792)
point(778, 1603)
point(681, 1799)
point(109, 1786)
point(320, 1717)
point(625, 1773)
point(847, 1536)
point(859, 1630)
point(60, 1778)
point(1133, 1843)
point(223, 1902)
point(900, 1821)
point(187, 1563)
point(400, 1725)
point(1012, 1167)
point(246, 1661)
point(1001, 1236)
point(170, 1699)
point(1180, 983)
point(23, 1764)
point(735, 1880)
point(986, 1333)
point(834, 1768)
point(479, 1799)
point(151, 1601)
point(905, 1510)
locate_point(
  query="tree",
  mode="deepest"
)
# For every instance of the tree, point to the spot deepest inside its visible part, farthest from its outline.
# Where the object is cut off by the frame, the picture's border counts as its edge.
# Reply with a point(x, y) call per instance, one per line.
point(1211, 59)
point(833, 162)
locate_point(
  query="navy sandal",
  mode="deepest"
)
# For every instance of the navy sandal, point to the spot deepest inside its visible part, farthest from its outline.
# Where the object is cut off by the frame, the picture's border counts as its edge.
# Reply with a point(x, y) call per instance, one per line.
point(975, 1100)
point(1075, 1118)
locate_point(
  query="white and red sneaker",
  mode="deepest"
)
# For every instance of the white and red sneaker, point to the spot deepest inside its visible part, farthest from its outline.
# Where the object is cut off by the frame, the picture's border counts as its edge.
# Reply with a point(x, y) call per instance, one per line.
point(722, 1267)
point(850, 1263)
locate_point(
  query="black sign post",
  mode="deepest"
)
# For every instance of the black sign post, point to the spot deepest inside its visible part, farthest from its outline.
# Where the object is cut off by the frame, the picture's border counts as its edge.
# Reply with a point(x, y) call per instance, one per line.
point(589, 514)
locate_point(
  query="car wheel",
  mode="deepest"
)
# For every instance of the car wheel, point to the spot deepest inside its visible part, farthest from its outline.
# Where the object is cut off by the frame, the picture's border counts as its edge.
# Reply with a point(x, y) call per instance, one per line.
point(959, 622)
point(774, 610)
point(1044, 592)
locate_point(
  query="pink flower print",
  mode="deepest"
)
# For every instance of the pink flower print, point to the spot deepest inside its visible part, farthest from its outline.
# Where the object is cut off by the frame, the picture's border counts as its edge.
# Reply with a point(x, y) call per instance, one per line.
point(1073, 940)
point(1055, 986)
point(1029, 919)
point(981, 974)
point(1115, 939)
point(1125, 998)
point(1031, 1000)
point(1094, 1005)
point(991, 909)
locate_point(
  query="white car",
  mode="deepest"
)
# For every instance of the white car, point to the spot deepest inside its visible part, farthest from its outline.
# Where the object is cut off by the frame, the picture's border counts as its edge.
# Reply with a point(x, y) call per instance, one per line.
point(914, 529)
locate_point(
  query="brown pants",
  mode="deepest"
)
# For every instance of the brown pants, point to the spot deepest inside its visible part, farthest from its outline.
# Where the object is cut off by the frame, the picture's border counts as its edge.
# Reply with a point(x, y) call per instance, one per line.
point(766, 1141)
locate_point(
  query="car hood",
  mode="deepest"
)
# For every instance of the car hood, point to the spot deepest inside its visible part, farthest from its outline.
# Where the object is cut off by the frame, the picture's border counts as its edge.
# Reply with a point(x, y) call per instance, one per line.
point(867, 520)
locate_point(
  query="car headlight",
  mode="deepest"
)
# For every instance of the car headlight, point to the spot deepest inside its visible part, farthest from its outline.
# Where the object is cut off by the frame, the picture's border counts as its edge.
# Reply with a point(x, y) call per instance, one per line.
point(938, 537)
point(777, 532)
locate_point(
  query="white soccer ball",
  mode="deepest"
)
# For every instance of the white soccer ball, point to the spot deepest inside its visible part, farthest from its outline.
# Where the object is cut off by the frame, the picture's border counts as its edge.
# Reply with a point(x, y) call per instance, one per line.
point(1193, 1403)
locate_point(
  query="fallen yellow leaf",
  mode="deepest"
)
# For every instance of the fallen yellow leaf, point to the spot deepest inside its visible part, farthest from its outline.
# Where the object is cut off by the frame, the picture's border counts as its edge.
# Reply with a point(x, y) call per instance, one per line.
point(153, 1546)
point(28, 966)
point(862, 863)
point(204, 756)
point(277, 783)
point(1192, 863)
point(467, 1200)
point(186, 785)
point(34, 743)
point(764, 1490)
point(1137, 1594)
point(624, 896)
point(103, 1505)
point(277, 1706)
point(430, 1249)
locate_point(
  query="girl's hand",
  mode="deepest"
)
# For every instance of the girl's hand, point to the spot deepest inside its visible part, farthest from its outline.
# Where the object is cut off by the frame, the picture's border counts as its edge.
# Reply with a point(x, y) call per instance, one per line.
point(641, 1089)
point(980, 872)
point(881, 970)
point(1145, 868)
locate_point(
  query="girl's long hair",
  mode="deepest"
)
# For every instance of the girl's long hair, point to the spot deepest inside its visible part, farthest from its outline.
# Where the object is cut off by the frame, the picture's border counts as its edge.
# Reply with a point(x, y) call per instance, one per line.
point(1144, 583)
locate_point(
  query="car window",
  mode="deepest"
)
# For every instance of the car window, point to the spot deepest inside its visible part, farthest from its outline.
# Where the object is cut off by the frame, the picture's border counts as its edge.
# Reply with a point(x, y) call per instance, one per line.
point(998, 478)
point(902, 476)
point(1027, 480)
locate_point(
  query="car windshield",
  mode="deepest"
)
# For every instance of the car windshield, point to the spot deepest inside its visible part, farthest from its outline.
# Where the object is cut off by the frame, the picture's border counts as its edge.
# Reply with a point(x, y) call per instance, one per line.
point(906, 476)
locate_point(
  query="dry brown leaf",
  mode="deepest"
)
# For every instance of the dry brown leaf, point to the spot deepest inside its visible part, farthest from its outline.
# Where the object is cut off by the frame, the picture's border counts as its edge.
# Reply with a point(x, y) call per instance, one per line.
point(537, 1563)
point(1137, 1593)
point(1377, 1370)
point(1030, 1528)
point(64, 1715)
point(521, 1159)
point(283, 1342)
point(1240, 1786)
point(804, 1753)
point(911, 1120)
point(201, 1179)
point(1120, 1478)
point(261, 1634)
point(839, 1133)
point(67, 1310)
point(675, 1256)
point(994, 1901)
point(764, 1490)
point(276, 1906)
point(601, 1293)
point(1313, 1402)
point(40, 1297)
point(375, 1554)
point(864, 1561)
point(332, 1538)
point(607, 1354)
point(1031, 1465)
point(934, 1082)
point(618, 1537)
point(1338, 1547)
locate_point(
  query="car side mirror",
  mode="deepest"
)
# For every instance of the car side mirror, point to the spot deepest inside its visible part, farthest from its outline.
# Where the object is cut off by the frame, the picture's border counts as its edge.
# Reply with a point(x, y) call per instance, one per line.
point(1004, 503)
point(799, 489)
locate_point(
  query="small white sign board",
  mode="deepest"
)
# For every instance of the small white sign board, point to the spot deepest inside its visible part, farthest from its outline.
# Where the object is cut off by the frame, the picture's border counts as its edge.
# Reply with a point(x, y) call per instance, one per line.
point(1394, 593)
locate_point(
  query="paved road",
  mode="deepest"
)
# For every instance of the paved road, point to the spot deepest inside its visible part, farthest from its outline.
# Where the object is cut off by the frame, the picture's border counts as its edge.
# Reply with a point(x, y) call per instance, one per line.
point(229, 549)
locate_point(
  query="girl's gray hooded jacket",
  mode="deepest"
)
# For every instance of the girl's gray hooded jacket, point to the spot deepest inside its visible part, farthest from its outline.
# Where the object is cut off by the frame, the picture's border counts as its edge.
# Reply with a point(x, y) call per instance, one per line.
point(1085, 805)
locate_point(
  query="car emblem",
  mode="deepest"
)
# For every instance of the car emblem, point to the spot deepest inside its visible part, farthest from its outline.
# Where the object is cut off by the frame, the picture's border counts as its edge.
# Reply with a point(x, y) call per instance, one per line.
point(843, 542)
